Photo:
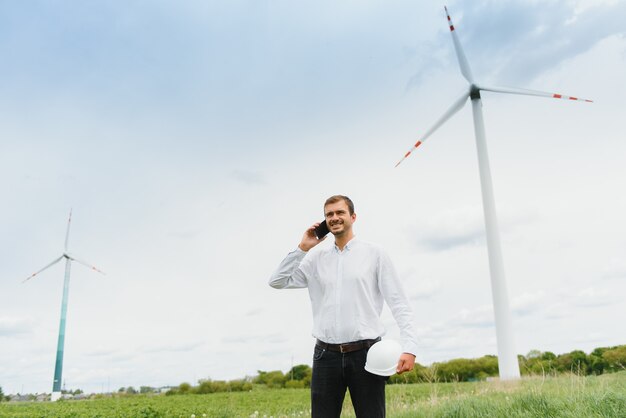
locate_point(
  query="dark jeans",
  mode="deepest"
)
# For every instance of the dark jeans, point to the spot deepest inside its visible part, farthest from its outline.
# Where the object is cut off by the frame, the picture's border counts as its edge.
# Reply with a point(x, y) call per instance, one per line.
point(334, 372)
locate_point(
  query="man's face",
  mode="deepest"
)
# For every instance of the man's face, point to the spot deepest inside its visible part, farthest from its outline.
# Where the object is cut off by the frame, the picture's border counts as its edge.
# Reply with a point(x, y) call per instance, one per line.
point(338, 217)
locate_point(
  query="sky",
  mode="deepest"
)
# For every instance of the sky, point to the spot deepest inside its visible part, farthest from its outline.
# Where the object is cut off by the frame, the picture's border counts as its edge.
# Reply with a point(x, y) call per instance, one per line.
point(195, 141)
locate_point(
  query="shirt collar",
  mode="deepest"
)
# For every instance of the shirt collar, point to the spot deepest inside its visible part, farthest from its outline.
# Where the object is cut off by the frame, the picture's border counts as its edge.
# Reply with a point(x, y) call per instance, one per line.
point(348, 246)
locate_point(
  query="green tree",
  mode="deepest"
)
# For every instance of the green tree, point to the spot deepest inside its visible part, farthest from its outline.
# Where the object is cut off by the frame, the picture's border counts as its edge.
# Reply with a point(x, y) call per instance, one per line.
point(240, 385)
point(300, 373)
point(599, 351)
point(1, 394)
point(171, 391)
point(537, 362)
point(211, 386)
point(294, 384)
point(597, 365)
point(463, 370)
point(575, 361)
point(274, 379)
point(615, 358)
point(184, 388)
point(533, 354)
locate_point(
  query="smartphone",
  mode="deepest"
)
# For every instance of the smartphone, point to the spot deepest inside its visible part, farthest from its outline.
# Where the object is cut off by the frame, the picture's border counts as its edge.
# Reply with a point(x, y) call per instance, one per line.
point(321, 230)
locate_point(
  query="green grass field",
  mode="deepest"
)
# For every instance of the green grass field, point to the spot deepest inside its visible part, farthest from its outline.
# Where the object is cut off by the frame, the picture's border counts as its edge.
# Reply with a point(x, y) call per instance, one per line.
point(565, 396)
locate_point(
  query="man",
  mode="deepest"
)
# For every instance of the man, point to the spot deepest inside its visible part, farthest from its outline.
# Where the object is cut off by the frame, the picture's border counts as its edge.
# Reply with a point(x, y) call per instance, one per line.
point(347, 286)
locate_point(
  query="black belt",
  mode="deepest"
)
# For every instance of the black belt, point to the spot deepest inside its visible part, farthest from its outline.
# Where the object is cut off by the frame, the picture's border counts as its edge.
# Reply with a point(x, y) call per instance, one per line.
point(347, 347)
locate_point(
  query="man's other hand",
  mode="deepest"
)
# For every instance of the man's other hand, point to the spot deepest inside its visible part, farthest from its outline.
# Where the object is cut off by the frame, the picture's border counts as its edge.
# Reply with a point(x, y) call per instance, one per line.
point(406, 363)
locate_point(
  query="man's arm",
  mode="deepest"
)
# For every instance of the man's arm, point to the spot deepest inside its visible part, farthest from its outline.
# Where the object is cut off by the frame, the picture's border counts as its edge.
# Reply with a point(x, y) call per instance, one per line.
point(291, 272)
point(398, 303)
point(289, 275)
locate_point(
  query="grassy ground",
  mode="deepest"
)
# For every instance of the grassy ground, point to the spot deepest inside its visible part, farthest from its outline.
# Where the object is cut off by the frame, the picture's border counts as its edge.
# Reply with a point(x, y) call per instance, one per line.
point(565, 396)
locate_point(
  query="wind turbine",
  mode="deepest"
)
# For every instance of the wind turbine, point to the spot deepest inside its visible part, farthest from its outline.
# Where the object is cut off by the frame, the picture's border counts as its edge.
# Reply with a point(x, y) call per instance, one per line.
point(58, 366)
point(507, 358)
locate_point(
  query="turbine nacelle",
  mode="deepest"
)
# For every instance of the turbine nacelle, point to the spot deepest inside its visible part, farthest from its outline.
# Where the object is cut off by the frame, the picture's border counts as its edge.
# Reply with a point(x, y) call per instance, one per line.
point(474, 92)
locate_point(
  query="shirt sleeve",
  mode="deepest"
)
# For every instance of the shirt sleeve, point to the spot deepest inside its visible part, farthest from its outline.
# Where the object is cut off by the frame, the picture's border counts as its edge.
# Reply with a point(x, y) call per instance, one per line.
point(395, 297)
point(290, 274)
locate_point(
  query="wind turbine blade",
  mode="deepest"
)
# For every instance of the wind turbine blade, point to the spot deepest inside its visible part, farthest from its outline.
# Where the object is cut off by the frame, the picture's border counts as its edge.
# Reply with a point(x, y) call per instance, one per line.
point(456, 106)
point(49, 265)
point(460, 55)
point(526, 92)
point(84, 263)
point(67, 234)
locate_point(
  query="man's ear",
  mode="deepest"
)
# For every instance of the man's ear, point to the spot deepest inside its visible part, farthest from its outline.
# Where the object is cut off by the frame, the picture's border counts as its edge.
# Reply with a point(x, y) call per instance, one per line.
point(353, 216)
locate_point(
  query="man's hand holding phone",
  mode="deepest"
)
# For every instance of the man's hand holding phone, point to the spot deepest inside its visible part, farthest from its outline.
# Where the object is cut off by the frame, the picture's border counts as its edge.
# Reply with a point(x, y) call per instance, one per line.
point(314, 235)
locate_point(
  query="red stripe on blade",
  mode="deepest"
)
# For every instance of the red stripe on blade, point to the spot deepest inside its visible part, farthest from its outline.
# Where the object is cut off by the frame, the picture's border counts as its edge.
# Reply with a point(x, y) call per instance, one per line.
point(557, 96)
point(417, 144)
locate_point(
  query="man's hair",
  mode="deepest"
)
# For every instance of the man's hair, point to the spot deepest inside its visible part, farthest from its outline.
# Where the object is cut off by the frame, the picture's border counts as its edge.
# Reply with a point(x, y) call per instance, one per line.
point(336, 198)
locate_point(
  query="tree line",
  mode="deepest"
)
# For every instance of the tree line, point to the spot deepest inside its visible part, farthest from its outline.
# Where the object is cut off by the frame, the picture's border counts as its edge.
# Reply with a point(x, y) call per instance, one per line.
point(600, 360)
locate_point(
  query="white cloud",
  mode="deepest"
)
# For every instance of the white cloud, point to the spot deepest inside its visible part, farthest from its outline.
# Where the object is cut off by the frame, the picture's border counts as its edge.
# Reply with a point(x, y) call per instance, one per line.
point(593, 297)
point(425, 289)
point(616, 269)
point(174, 348)
point(528, 303)
point(11, 326)
point(450, 229)
point(481, 316)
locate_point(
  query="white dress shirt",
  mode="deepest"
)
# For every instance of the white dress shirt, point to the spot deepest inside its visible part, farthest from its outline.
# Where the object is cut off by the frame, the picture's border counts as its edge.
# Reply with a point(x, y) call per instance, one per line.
point(347, 289)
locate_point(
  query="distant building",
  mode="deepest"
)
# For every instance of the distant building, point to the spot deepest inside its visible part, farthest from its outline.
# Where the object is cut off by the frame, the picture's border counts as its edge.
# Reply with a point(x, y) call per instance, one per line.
point(163, 389)
point(21, 398)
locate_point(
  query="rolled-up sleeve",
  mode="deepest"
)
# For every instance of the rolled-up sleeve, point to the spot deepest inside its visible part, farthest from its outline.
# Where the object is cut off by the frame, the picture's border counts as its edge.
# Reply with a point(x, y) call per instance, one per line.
point(291, 274)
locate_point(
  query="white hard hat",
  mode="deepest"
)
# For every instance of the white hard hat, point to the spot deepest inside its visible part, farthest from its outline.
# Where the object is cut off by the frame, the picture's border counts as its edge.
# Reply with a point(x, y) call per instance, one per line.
point(382, 357)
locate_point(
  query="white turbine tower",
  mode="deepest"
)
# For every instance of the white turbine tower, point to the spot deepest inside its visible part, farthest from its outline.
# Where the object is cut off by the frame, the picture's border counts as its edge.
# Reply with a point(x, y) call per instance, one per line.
point(58, 367)
point(507, 358)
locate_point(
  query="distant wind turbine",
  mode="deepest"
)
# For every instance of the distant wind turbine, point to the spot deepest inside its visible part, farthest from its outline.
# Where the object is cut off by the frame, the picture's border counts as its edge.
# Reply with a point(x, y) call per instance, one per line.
point(507, 358)
point(58, 367)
